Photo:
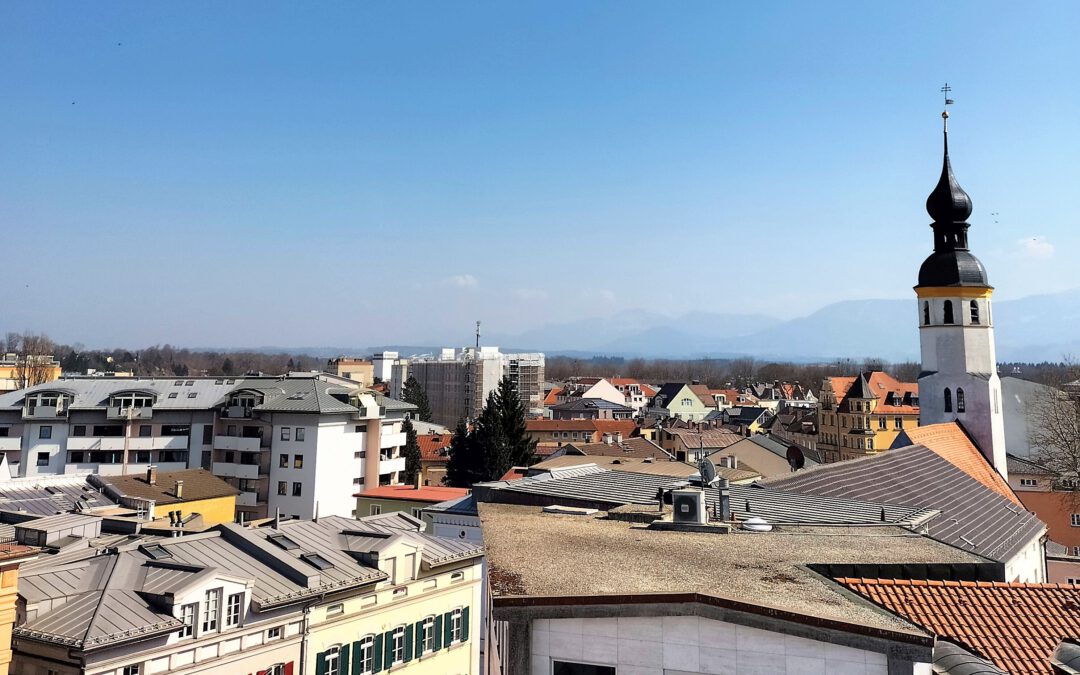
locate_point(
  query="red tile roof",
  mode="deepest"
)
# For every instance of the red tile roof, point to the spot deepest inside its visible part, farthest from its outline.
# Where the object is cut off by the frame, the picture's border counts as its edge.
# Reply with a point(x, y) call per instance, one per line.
point(515, 472)
point(1017, 626)
point(627, 428)
point(552, 397)
point(433, 446)
point(950, 442)
point(410, 493)
point(881, 384)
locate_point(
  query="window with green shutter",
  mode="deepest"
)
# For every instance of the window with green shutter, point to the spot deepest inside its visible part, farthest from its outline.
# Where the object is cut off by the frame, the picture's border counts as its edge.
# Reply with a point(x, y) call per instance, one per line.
point(448, 628)
point(343, 660)
point(438, 632)
point(378, 653)
point(418, 630)
point(464, 624)
point(320, 663)
point(388, 649)
point(408, 642)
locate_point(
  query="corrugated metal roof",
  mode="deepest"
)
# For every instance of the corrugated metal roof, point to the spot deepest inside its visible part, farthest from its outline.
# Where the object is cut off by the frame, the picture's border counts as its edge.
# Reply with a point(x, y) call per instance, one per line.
point(47, 495)
point(974, 517)
point(591, 483)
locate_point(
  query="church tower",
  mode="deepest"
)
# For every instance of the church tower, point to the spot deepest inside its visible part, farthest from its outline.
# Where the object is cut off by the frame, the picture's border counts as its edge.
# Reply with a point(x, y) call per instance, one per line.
point(959, 378)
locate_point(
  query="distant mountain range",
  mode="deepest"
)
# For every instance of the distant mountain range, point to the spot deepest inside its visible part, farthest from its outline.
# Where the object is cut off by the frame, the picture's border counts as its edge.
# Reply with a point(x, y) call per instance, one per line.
point(1036, 328)
point(1032, 329)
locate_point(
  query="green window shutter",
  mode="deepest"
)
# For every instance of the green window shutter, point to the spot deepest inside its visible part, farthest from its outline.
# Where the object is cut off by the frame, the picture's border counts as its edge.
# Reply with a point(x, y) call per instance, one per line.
point(438, 633)
point(320, 663)
point(464, 624)
point(356, 658)
point(448, 628)
point(377, 651)
point(408, 643)
point(419, 630)
point(388, 648)
point(343, 659)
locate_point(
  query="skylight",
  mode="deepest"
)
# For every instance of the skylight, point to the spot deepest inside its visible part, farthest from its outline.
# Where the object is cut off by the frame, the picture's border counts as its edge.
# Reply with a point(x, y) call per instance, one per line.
point(317, 561)
point(283, 541)
point(156, 551)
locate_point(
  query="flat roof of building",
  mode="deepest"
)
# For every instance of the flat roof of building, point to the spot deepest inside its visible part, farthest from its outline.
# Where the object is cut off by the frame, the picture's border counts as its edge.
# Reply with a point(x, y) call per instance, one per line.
point(531, 553)
point(410, 493)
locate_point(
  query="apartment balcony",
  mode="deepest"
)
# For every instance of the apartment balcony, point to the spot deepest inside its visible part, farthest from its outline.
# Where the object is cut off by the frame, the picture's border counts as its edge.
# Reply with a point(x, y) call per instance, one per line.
point(10, 443)
point(170, 443)
point(100, 443)
point(392, 440)
point(44, 412)
point(138, 443)
point(115, 412)
point(226, 470)
point(237, 412)
point(391, 465)
point(247, 499)
point(239, 443)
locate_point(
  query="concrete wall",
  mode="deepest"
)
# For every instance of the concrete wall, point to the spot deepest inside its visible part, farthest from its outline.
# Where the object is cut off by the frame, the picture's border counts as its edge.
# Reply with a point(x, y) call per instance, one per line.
point(677, 645)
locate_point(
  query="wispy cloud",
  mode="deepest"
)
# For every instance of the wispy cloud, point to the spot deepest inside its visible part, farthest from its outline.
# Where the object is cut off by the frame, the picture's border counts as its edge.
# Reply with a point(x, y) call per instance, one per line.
point(599, 295)
point(1037, 248)
point(461, 281)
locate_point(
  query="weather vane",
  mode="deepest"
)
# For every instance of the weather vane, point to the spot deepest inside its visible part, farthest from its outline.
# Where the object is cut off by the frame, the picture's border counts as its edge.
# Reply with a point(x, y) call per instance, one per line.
point(948, 102)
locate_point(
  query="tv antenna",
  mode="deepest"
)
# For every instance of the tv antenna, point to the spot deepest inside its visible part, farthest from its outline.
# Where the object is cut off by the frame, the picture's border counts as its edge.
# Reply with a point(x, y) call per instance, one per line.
point(477, 336)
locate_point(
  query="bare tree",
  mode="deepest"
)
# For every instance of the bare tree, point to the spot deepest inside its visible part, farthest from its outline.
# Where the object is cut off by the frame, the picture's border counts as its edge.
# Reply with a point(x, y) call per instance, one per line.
point(1053, 418)
point(34, 363)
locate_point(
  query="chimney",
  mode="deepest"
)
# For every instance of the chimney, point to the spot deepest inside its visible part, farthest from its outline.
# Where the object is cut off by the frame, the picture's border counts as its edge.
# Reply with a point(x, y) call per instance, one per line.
point(277, 518)
point(725, 500)
point(151, 475)
point(419, 480)
point(179, 489)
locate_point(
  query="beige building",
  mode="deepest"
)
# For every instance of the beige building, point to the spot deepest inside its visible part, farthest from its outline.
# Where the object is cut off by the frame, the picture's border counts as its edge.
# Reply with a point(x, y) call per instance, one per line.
point(863, 415)
point(361, 371)
point(329, 597)
point(19, 371)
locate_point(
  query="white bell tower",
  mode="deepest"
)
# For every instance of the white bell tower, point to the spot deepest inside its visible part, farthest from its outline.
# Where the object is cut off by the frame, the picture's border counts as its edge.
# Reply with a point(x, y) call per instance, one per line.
point(959, 380)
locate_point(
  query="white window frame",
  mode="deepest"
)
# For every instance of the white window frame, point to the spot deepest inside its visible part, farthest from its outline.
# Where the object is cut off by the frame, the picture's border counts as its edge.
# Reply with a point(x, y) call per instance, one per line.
point(1076, 520)
point(366, 655)
point(1028, 482)
point(189, 614)
point(457, 627)
point(211, 617)
point(298, 434)
point(375, 509)
point(397, 649)
point(428, 634)
point(333, 660)
point(133, 669)
point(234, 609)
point(273, 633)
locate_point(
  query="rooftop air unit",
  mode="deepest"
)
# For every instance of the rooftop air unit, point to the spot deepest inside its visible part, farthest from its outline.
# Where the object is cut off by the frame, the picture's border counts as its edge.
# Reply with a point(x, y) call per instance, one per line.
point(688, 506)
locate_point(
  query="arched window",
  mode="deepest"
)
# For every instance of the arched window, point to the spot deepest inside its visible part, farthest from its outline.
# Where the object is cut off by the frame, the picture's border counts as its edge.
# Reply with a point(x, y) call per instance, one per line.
point(332, 665)
point(948, 311)
point(959, 400)
point(926, 313)
point(365, 657)
point(974, 312)
point(948, 400)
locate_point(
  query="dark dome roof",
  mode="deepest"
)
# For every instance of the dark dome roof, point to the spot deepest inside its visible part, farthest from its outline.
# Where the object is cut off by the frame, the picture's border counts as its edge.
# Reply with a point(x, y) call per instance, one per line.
point(952, 268)
point(948, 203)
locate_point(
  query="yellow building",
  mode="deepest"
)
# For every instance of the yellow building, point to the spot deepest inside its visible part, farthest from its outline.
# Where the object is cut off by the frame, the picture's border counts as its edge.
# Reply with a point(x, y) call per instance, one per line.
point(192, 492)
point(20, 372)
point(11, 556)
point(863, 415)
point(360, 370)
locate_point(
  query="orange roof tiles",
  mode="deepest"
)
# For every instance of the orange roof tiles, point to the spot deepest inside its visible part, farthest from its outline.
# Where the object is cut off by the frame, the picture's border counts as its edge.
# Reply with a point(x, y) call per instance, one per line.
point(411, 493)
point(949, 440)
point(552, 397)
point(433, 446)
point(881, 384)
point(625, 427)
point(1017, 626)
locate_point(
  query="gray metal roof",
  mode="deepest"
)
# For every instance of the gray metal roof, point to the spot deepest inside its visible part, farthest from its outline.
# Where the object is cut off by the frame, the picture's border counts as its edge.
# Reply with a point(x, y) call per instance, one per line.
point(1020, 466)
point(604, 487)
point(47, 495)
point(462, 506)
point(952, 659)
point(974, 517)
point(114, 590)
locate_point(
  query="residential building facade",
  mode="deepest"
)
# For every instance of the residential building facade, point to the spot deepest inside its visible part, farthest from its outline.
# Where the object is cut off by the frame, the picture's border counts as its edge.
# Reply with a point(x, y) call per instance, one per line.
point(362, 371)
point(295, 445)
point(332, 597)
point(863, 415)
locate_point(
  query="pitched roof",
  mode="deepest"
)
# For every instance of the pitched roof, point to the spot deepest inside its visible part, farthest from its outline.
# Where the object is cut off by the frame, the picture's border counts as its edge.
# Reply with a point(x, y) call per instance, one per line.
point(433, 446)
point(560, 425)
point(881, 384)
point(628, 447)
point(949, 440)
point(46, 495)
point(1020, 466)
point(553, 396)
point(1016, 626)
point(706, 438)
point(198, 484)
point(409, 493)
point(665, 467)
point(667, 393)
point(627, 428)
point(592, 404)
point(974, 517)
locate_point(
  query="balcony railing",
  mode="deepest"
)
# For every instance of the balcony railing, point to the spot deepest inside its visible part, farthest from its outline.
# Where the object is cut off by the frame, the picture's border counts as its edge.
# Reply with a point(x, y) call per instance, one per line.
point(228, 470)
point(118, 413)
point(240, 443)
point(10, 442)
point(234, 412)
point(44, 412)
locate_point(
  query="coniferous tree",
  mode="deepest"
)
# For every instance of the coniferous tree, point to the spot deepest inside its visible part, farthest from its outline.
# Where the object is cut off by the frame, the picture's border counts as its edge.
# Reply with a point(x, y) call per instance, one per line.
point(462, 467)
point(520, 447)
point(414, 393)
point(411, 452)
point(490, 440)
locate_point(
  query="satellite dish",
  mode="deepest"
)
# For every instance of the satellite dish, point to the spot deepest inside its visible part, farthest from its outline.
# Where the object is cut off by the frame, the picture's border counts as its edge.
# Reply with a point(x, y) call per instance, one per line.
point(795, 457)
point(706, 470)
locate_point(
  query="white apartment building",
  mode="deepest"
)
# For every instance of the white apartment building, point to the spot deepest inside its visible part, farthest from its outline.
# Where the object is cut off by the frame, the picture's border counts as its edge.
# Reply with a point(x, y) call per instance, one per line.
point(334, 596)
point(296, 445)
point(458, 382)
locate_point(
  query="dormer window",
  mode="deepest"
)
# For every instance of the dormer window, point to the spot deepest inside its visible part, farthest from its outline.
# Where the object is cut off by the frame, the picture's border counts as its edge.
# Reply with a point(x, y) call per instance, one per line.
point(136, 401)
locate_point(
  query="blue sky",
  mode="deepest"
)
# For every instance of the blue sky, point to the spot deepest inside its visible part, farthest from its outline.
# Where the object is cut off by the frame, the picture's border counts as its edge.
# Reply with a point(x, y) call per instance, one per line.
point(237, 174)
